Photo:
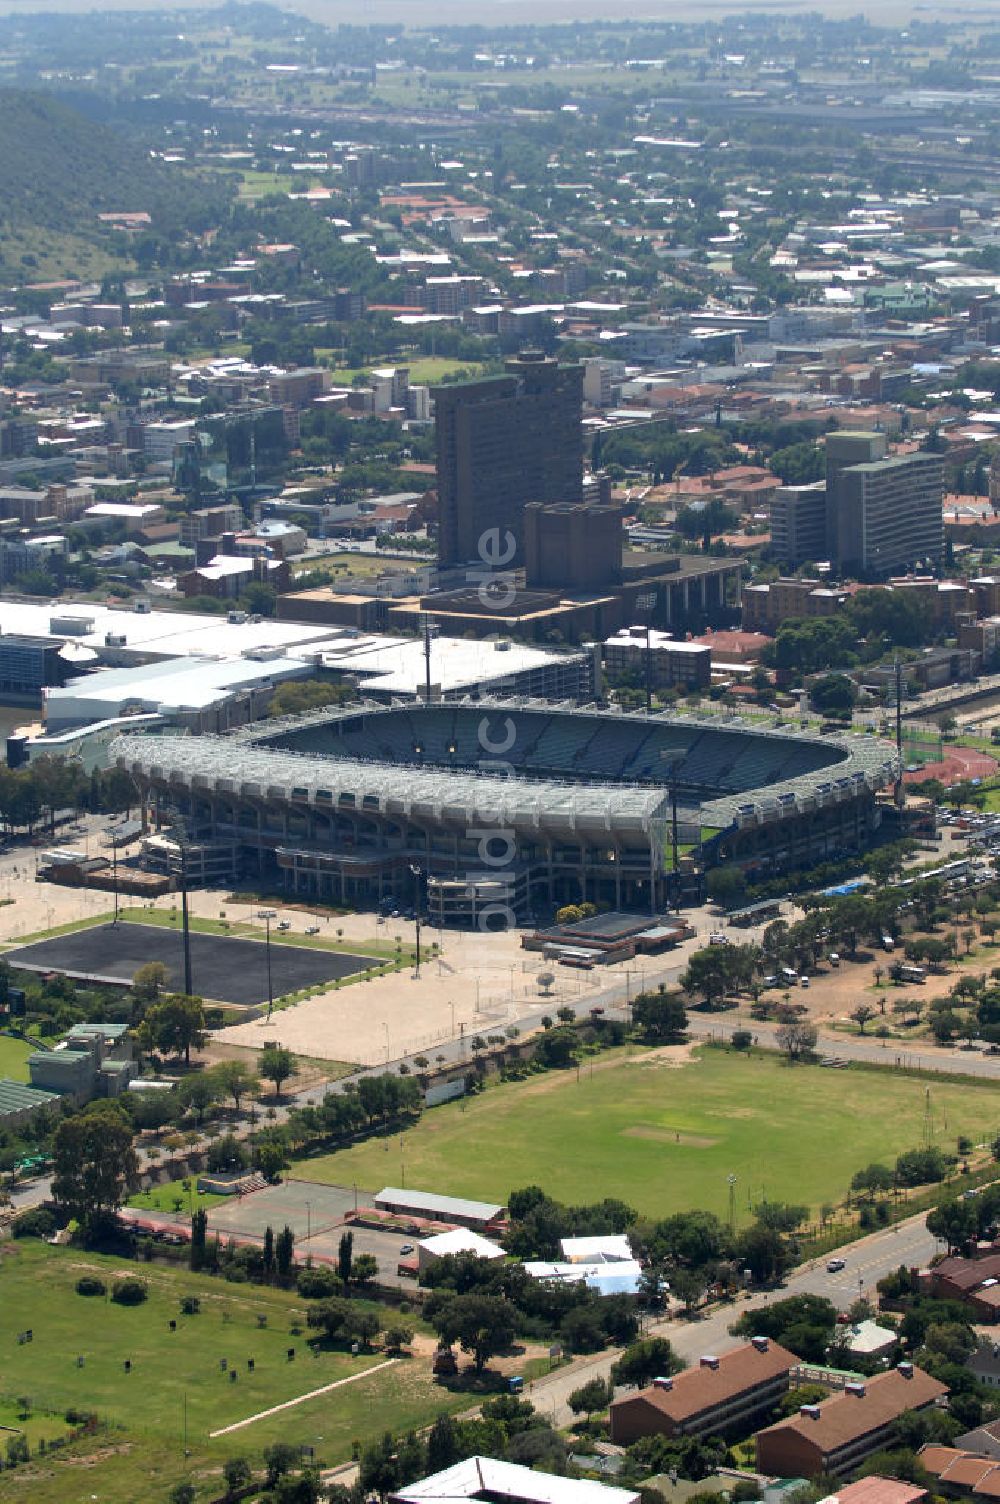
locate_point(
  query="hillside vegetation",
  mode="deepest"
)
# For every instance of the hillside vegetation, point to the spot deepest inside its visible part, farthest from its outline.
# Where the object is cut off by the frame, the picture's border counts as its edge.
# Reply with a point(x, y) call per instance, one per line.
point(60, 170)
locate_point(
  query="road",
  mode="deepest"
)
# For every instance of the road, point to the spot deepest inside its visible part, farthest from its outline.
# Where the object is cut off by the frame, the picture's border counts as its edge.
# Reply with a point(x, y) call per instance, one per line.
point(865, 1263)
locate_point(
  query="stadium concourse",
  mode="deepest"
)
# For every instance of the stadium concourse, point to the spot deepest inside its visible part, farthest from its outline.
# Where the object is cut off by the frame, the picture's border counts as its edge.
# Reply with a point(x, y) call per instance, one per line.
point(505, 807)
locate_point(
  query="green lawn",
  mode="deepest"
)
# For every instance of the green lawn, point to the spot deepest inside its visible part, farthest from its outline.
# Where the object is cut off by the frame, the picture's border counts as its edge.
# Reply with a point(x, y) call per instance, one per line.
point(142, 1456)
point(424, 370)
point(161, 1198)
point(14, 1058)
point(665, 1138)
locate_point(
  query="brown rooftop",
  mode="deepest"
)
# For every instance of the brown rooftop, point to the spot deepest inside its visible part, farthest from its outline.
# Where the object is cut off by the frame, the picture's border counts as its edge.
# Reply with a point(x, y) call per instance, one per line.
point(860, 1409)
point(715, 1380)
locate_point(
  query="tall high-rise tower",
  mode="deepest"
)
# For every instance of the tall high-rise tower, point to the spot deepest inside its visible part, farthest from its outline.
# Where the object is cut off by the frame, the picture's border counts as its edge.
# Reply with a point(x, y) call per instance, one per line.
point(502, 442)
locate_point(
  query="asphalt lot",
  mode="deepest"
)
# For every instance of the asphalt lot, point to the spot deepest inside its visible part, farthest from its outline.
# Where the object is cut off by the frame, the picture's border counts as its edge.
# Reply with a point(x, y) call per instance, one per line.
point(223, 969)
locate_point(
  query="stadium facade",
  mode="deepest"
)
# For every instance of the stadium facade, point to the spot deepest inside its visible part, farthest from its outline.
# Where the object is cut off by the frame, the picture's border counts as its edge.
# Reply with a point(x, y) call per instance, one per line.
point(504, 806)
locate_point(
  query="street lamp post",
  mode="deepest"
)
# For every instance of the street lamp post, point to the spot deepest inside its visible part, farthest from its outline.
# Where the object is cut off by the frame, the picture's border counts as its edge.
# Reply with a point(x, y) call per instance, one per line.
point(267, 954)
point(308, 1221)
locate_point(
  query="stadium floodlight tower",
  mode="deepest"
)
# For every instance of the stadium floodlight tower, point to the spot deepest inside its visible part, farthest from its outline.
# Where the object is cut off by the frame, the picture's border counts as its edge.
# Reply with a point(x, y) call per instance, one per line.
point(417, 873)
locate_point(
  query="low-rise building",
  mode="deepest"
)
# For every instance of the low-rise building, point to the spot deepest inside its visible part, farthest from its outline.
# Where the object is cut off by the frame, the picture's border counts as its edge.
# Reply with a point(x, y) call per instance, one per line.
point(457, 1210)
point(974, 1282)
point(458, 1240)
point(495, 1482)
point(671, 664)
point(837, 1435)
point(720, 1394)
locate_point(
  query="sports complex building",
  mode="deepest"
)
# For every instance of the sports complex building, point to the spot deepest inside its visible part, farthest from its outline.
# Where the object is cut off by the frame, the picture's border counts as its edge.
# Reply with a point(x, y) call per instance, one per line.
point(503, 805)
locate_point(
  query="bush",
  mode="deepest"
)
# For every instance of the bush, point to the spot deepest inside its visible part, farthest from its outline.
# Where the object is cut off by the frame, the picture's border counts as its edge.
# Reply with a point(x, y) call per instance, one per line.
point(129, 1291)
point(190, 1305)
point(317, 1284)
point(37, 1222)
point(89, 1284)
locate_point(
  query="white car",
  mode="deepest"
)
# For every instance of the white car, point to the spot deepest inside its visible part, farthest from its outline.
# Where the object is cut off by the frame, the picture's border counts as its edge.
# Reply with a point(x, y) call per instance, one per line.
point(834, 1266)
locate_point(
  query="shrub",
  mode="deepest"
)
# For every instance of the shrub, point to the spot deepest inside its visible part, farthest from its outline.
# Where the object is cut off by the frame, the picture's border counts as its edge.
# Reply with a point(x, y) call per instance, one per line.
point(190, 1305)
point(89, 1284)
point(37, 1222)
point(129, 1291)
point(317, 1284)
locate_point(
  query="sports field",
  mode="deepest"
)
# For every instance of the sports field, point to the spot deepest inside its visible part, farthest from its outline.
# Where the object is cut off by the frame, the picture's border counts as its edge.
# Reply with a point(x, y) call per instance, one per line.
point(143, 1456)
point(665, 1136)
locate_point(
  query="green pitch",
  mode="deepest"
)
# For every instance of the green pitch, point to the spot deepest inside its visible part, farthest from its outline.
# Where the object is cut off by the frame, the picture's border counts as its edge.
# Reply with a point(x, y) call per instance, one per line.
point(665, 1137)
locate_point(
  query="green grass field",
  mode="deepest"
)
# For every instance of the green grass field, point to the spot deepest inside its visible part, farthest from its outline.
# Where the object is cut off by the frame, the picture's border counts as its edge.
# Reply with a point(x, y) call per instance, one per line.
point(665, 1138)
point(142, 1457)
point(14, 1058)
point(161, 1198)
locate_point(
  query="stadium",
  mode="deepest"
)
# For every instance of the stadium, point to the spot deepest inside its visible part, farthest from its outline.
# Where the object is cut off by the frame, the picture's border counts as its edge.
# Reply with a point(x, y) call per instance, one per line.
point(484, 807)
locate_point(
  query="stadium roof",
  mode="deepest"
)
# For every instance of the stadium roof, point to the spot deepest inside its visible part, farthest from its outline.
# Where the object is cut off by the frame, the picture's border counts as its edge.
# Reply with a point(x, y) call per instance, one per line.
point(470, 797)
point(250, 764)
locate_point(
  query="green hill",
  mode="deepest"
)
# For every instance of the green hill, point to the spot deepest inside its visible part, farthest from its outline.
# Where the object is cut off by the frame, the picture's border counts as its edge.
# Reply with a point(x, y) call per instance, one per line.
point(59, 171)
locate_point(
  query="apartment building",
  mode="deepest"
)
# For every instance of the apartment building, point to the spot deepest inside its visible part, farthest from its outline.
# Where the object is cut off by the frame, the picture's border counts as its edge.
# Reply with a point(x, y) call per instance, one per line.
point(719, 1395)
point(299, 387)
point(672, 664)
point(837, 1435)
point(209, 522)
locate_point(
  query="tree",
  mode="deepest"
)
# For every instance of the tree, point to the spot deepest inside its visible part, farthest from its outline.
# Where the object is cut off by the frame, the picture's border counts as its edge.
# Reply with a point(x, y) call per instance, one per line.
point(237, 1473)
point(954, 1221)
point(345, 1254)
point(797, 1037)
point(284, 1251)
point(594, 1395)
point(277, 1064)
point(174, 1025)
point(834, 695)
point(726, 886)
point(660, 1016)
point(644, 1361)
point(862, 1015)
point(442, 1444)
point(149, 982)
point(199, 1231)
point(873, 1179)
point(95, 1165)
point(235, 1079)
point(364, 1269)
point(709, 972)
point(481, 1324)
point(183, 1493)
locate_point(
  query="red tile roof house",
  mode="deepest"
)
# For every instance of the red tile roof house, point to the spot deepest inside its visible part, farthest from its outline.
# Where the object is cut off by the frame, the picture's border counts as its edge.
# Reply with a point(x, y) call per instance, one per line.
point(721, 1394)
point(877, 1490)
point(837, 1435)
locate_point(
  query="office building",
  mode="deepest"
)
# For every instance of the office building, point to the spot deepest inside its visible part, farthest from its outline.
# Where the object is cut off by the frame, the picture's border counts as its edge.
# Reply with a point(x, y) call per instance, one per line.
point(798, 524)
point(883, 513)
point(501, 443)
point(572, 547)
